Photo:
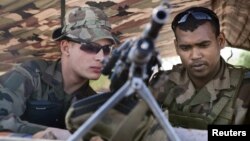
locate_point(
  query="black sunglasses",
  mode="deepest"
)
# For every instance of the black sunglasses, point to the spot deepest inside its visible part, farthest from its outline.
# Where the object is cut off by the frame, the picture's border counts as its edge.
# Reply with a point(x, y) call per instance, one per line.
point(91, 47)
point(197, 15)
point(94, 48)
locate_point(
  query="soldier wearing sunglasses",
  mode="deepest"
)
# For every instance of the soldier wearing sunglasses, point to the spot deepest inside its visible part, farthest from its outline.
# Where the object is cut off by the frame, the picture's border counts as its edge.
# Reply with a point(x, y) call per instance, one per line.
point(36, 95)
point(204, 89)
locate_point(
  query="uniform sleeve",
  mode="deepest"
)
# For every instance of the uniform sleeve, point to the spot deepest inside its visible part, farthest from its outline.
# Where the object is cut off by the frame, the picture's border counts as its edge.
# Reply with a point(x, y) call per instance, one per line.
point(242, 104)
point(16, 87)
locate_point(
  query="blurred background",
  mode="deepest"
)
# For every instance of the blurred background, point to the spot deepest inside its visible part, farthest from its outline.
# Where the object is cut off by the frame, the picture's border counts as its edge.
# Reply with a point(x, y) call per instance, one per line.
point(26, 28)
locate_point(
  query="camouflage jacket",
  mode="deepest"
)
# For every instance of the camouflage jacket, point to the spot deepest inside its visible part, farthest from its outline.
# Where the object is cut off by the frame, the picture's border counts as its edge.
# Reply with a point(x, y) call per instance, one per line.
point(33, 91)
point(223, 100)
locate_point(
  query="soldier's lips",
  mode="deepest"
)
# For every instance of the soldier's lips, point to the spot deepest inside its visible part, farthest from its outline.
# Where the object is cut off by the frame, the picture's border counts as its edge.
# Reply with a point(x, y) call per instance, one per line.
point(198, 66)
point(96, 69)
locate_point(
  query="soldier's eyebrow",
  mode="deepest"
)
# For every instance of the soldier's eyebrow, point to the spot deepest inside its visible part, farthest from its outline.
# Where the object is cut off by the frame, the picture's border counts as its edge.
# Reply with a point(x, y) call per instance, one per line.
point(184, 45)
point(203, 43)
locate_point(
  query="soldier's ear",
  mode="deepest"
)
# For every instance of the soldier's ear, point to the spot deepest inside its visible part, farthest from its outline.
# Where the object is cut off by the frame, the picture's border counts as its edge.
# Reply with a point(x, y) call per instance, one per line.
point(221, 40)
point(176, 46)
point(64, 47)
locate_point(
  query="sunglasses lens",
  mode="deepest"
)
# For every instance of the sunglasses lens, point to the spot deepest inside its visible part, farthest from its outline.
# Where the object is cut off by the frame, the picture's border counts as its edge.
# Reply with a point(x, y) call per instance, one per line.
point(94, 48)
point(88, 48)
point(196, 15)
point(106, 49)
point(183, 19)
point(201, 16)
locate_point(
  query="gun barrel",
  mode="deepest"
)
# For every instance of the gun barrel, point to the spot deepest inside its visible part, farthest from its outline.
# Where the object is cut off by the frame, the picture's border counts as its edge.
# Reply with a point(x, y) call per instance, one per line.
point(114, 58)
point(159, 18)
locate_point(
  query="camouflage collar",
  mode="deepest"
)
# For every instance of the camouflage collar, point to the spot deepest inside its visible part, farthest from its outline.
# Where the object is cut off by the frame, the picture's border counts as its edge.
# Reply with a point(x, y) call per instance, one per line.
point(53, 74)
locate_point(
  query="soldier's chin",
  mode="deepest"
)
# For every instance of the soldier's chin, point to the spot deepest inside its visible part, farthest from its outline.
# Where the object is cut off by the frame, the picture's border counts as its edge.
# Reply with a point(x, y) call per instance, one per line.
point(199, 74)
point(95, 77)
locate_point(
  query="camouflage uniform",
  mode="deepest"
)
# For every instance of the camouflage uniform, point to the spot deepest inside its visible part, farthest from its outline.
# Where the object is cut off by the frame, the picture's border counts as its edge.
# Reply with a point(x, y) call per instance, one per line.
point(37, 84)
point(34, 91)
point(223, 100)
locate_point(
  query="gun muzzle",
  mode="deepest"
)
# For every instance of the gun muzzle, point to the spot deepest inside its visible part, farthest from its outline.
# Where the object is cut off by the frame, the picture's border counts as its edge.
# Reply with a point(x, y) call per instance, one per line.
point(159, 18)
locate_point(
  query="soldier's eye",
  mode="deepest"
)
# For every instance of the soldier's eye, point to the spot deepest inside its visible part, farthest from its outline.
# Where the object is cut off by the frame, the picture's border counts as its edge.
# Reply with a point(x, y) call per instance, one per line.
point(184, 48)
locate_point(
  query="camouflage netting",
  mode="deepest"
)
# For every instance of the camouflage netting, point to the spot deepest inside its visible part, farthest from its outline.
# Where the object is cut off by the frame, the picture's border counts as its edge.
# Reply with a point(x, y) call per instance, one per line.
point(26, 25)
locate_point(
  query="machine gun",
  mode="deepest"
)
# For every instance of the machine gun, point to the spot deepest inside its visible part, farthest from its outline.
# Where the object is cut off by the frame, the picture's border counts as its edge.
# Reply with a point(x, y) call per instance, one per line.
point(133, 57)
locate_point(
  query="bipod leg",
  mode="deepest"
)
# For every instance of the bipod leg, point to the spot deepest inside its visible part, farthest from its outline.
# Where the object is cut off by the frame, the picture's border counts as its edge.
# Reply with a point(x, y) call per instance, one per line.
point(146, 95)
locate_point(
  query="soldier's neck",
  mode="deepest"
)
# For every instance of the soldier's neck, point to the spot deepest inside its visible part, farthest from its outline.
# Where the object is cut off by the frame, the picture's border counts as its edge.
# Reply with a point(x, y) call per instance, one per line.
point(71, 85)
point(71, 81)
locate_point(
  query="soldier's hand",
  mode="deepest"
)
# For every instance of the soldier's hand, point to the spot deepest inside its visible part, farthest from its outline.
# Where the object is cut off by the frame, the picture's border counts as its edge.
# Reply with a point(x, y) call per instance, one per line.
point(53, 133)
